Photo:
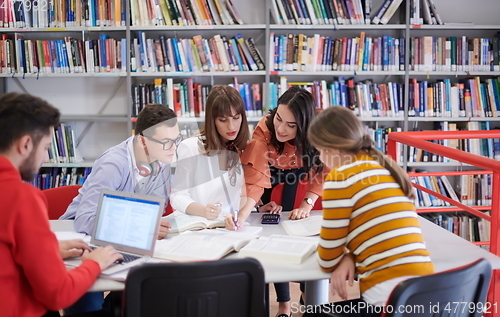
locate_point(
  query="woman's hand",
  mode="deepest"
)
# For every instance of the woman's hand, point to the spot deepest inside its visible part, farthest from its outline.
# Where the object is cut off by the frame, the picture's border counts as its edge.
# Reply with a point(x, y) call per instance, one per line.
point(213, 210)
point(231, 224)
point(272, 207)
point(299, 213)
point(342, 273)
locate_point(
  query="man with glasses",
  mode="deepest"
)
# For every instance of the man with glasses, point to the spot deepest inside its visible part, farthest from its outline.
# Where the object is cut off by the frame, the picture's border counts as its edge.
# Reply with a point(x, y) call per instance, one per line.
point(140, 164)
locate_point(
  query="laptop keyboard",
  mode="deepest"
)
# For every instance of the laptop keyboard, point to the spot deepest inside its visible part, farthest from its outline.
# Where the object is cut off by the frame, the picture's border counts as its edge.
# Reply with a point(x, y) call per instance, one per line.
point(126, 257)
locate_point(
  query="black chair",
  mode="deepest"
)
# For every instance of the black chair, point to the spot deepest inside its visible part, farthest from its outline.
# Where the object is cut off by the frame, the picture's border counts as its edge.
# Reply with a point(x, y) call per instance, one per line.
point(438, 294)
point(225, 288)
point(459, 293)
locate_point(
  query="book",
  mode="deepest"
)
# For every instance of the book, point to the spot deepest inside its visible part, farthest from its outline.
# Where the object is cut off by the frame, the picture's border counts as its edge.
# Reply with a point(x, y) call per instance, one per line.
point(184, 222)
point(281, 248)
point(205, 245)
point(304, 227)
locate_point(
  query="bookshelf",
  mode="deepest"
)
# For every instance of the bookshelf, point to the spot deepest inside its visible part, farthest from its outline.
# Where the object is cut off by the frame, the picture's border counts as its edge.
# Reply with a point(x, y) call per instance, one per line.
point(100, 107)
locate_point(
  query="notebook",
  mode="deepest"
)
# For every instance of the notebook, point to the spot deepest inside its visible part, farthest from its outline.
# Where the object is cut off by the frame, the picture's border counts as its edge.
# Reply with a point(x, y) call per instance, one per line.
point(129, 222)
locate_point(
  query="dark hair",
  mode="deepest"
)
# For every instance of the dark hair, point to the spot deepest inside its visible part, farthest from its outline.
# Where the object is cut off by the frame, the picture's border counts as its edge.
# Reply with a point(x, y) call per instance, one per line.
point(153, 114)
point(339, 128)
point(22, 114)
point(219, 103)
point(301, 104)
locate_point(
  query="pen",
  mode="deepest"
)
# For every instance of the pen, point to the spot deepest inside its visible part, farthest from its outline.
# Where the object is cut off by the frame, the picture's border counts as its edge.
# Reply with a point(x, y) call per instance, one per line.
point(235, 219)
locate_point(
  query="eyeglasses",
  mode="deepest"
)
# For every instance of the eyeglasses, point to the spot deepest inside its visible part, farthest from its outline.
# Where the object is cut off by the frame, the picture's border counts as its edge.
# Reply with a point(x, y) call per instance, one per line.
point(167, 145)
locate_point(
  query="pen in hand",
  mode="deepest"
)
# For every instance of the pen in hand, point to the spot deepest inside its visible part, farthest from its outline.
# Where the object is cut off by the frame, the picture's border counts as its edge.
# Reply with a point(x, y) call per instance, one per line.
point(235, 214)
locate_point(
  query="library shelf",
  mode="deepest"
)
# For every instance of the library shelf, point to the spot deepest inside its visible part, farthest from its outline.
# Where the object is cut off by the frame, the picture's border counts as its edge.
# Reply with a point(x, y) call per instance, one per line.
point(441, 119)
point(199, 27)
point(336, 73)
point(455, 26)
point(70, 165)
point(337, 27)
point(65, 29)
point(422, 210)
point(198, 74)
point(58, 75)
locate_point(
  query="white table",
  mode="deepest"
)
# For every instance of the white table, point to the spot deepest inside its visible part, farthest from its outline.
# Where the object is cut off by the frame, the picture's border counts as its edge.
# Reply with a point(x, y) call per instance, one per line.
point(447, 250)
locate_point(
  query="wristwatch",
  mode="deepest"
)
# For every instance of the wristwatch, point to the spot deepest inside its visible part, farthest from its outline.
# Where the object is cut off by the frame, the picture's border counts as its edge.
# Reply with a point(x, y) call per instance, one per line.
point(309, 201)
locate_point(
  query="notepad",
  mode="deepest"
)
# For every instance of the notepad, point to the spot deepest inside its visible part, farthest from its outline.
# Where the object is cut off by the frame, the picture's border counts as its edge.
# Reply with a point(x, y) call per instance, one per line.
point(281, 248)
point(205, 245)
point(310, 226)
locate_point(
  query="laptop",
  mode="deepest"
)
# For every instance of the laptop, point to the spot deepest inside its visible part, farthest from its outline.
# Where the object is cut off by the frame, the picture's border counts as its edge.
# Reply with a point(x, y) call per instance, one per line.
point(129, 222)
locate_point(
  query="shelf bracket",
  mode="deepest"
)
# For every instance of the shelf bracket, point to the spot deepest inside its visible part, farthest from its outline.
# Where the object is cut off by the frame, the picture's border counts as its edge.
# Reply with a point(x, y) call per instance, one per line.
point(18, 83)
point(103, 107)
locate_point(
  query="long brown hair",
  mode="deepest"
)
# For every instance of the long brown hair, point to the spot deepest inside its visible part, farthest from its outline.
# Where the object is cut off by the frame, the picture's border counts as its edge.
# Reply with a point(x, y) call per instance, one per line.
point(301, 104)
point(219, 102)
point(338, 128)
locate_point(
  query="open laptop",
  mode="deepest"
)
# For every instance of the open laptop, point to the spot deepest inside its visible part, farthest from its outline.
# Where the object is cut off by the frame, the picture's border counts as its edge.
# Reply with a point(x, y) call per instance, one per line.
point(129, 222)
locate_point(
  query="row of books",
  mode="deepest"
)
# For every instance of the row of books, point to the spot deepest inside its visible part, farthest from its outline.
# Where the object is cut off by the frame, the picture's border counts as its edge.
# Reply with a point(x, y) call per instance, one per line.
point(475, 190)
point(62, 13)
point(467, 98)
point(188, 99)
point(333, 12)
point(68, 55)
point(469, 227)
point(195, 54)
point(431, 53)
point(483, 147)
point(101, 13)
point(183, 12)
point(64, 148)
point(299, 52)
point(424, 12)
point(365, 98)
point(61, 176)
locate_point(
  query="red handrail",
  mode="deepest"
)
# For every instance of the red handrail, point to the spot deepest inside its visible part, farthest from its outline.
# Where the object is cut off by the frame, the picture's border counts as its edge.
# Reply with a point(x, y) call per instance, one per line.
point(418, 139)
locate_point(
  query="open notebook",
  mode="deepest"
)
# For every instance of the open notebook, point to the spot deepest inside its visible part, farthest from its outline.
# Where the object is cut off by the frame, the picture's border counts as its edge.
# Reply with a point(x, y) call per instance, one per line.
point(204, 245)
point(183, 222)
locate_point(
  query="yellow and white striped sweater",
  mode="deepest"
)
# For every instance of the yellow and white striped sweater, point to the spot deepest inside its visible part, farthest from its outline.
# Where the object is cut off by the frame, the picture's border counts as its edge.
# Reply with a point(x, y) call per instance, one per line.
point(365, 211)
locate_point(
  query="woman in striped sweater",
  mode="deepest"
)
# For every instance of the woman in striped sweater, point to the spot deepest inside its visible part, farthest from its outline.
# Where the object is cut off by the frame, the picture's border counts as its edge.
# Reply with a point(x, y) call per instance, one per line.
point(370, 226)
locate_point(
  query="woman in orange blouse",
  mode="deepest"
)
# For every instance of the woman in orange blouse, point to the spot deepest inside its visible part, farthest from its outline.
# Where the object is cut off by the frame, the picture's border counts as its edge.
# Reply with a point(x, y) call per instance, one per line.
point(279, 152)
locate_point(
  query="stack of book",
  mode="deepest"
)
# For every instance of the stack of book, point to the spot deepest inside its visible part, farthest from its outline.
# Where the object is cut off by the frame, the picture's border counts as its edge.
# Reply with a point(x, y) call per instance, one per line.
point(188, 99)
point(62, 13)
point(365, 98)
point(57, 177)
point(468, 227)
point(468, 98)
point(431, 53)
point(195, 54)
point(63, 148)
point(68, 55)
point(483, 147)
point(299, 52)
point(183, 12)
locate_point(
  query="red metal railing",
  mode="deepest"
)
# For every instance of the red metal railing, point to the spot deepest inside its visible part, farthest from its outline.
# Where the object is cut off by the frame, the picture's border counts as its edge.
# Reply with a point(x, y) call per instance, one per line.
point(418, 139)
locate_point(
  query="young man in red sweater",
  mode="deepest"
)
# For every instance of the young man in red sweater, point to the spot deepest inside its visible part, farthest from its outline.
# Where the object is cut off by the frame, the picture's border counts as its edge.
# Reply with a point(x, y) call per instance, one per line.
point(33, 277)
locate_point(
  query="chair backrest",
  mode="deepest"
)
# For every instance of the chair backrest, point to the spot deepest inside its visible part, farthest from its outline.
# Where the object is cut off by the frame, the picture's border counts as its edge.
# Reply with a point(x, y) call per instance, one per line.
point(225, 288)
point(460, 292)
point(277, 196)
point(59, 199)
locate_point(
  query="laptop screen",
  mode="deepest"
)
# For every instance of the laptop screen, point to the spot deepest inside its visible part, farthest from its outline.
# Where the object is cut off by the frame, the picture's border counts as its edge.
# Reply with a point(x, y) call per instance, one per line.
point(127, 221)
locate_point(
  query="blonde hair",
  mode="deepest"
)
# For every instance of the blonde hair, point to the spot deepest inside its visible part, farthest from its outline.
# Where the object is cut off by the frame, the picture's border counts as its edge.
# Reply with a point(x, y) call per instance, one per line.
point(338, 128)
